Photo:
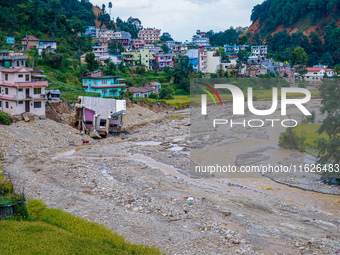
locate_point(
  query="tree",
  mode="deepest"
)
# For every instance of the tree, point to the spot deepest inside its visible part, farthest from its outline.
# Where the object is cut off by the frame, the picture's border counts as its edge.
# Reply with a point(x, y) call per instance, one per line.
point(242, 59)
point(298, 57)
point(219, 71)
point(110, 7)
point(330, 149)
point(115, 48)
point(165, 48)
point(220, 52)
point(92, 63)
point(327, 59)
point(166, 92)
point(243, 40)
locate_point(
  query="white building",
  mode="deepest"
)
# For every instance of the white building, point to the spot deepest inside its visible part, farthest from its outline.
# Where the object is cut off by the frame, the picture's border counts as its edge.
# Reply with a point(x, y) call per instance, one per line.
point(46, 46)
point(18, 94)
point(260, 50)
point(213, 62)
point(316, 74)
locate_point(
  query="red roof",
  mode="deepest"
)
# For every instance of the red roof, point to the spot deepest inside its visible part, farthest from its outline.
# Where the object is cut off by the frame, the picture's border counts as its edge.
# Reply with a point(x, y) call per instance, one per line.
point(30, 38)
point(318, 69)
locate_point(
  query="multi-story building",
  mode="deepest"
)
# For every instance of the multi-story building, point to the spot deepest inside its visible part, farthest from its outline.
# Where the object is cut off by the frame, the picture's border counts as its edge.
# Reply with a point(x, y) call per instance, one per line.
point(18, 94)
point(146, 58)
point(193, 58)
point(139, 44)
point(164, 60)
point(260, 50)
point(131, 58)
point(316, 74)
point(99, 50)
point(200, 39)
point(213, 61)
point(179, 49)
point(12, 59)
point(106, 86)
point(149, 35)
point(92, 31)
point(202, 60)
point(231, 48)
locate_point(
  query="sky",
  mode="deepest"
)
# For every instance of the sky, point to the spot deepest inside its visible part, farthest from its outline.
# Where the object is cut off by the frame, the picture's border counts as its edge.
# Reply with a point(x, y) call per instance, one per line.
point(181, 18)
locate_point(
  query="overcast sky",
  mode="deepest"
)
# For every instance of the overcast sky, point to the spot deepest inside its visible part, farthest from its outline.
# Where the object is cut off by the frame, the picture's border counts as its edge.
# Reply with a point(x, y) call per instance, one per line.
point(181, 18)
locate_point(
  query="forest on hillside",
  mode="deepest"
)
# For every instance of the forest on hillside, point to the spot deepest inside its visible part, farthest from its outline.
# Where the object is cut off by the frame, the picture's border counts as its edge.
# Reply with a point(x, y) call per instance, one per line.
point(273, 13)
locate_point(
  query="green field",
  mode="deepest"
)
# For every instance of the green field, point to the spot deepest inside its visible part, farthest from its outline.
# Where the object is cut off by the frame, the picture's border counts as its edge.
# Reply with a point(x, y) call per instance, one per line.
point(310, 132)
point(53, 231)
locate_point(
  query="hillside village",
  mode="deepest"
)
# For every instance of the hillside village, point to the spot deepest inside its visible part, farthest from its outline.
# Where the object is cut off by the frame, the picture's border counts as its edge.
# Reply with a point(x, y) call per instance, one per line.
point(97, 136)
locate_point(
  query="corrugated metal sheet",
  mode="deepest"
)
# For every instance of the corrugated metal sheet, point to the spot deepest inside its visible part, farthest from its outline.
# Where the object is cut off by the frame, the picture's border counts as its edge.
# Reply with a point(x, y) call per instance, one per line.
point(102, 106)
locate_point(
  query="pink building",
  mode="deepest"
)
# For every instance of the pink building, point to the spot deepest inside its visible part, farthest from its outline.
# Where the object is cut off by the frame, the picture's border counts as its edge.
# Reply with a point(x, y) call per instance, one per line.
point(164, 60)
point(18, 94)
point(149, 35)
point(139, 44)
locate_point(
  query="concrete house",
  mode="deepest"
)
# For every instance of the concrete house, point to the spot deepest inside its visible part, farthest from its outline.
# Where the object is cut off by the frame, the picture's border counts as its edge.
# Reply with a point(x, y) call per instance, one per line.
point(100, 114)
point(105, 85)
point(316, 74)
point(149, 35)
point(29, 42)
point(260, 50)
point(164, 60)
point(18, 94)
point(141, 91)
point(47, 46)
point(213, 61)
point(193, 58)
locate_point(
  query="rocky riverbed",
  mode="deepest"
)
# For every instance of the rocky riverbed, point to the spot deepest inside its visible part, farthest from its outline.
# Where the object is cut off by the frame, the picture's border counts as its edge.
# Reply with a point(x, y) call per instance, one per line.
point(141, 185)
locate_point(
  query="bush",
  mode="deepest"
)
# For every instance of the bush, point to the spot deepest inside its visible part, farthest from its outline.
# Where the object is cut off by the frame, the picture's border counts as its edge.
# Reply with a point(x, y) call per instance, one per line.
point(4, 118)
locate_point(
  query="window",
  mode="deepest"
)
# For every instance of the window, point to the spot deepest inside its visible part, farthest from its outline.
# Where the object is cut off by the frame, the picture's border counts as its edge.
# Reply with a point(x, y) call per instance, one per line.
point(0, 103)
point(85, 81)
point(27, 77)
point(104, 82)
point(21, 102)
point(6, 104)
point(102, 123)
point(20, 89)
point(20, 76)
point(37, 104)
point(6, 76)
point(6, 91)
point(37, 90)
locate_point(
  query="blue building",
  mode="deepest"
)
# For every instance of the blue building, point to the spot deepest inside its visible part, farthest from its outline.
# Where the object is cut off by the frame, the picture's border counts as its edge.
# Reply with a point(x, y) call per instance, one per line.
point(231, 48)
point(193, 58)
point(107, 86)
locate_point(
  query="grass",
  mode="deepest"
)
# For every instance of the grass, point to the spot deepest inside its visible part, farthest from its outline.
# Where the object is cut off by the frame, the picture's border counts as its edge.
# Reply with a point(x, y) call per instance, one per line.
point(310, 132)
point(176, 117)
point(53, 231)
point(178, 101)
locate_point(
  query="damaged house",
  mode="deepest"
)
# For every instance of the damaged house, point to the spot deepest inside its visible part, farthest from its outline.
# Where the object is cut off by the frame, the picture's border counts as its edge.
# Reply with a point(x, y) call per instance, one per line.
point(100, 114)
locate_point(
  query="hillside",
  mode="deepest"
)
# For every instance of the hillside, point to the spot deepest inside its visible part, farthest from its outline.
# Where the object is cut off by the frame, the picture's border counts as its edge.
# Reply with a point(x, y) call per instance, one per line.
point(273, 16)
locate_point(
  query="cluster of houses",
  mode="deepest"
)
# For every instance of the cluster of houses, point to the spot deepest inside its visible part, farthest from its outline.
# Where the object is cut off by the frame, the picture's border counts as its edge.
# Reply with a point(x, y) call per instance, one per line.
point(23, 92)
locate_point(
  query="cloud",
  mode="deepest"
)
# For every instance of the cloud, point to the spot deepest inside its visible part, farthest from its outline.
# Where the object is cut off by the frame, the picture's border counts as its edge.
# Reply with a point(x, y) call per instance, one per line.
point(181, 18)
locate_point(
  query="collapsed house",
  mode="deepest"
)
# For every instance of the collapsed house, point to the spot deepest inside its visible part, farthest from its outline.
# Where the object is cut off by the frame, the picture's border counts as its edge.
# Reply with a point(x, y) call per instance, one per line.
point(100, 114)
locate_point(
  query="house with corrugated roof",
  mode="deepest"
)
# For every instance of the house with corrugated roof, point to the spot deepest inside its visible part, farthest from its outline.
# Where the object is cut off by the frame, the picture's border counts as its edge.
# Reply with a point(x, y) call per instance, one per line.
point(141, 91)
